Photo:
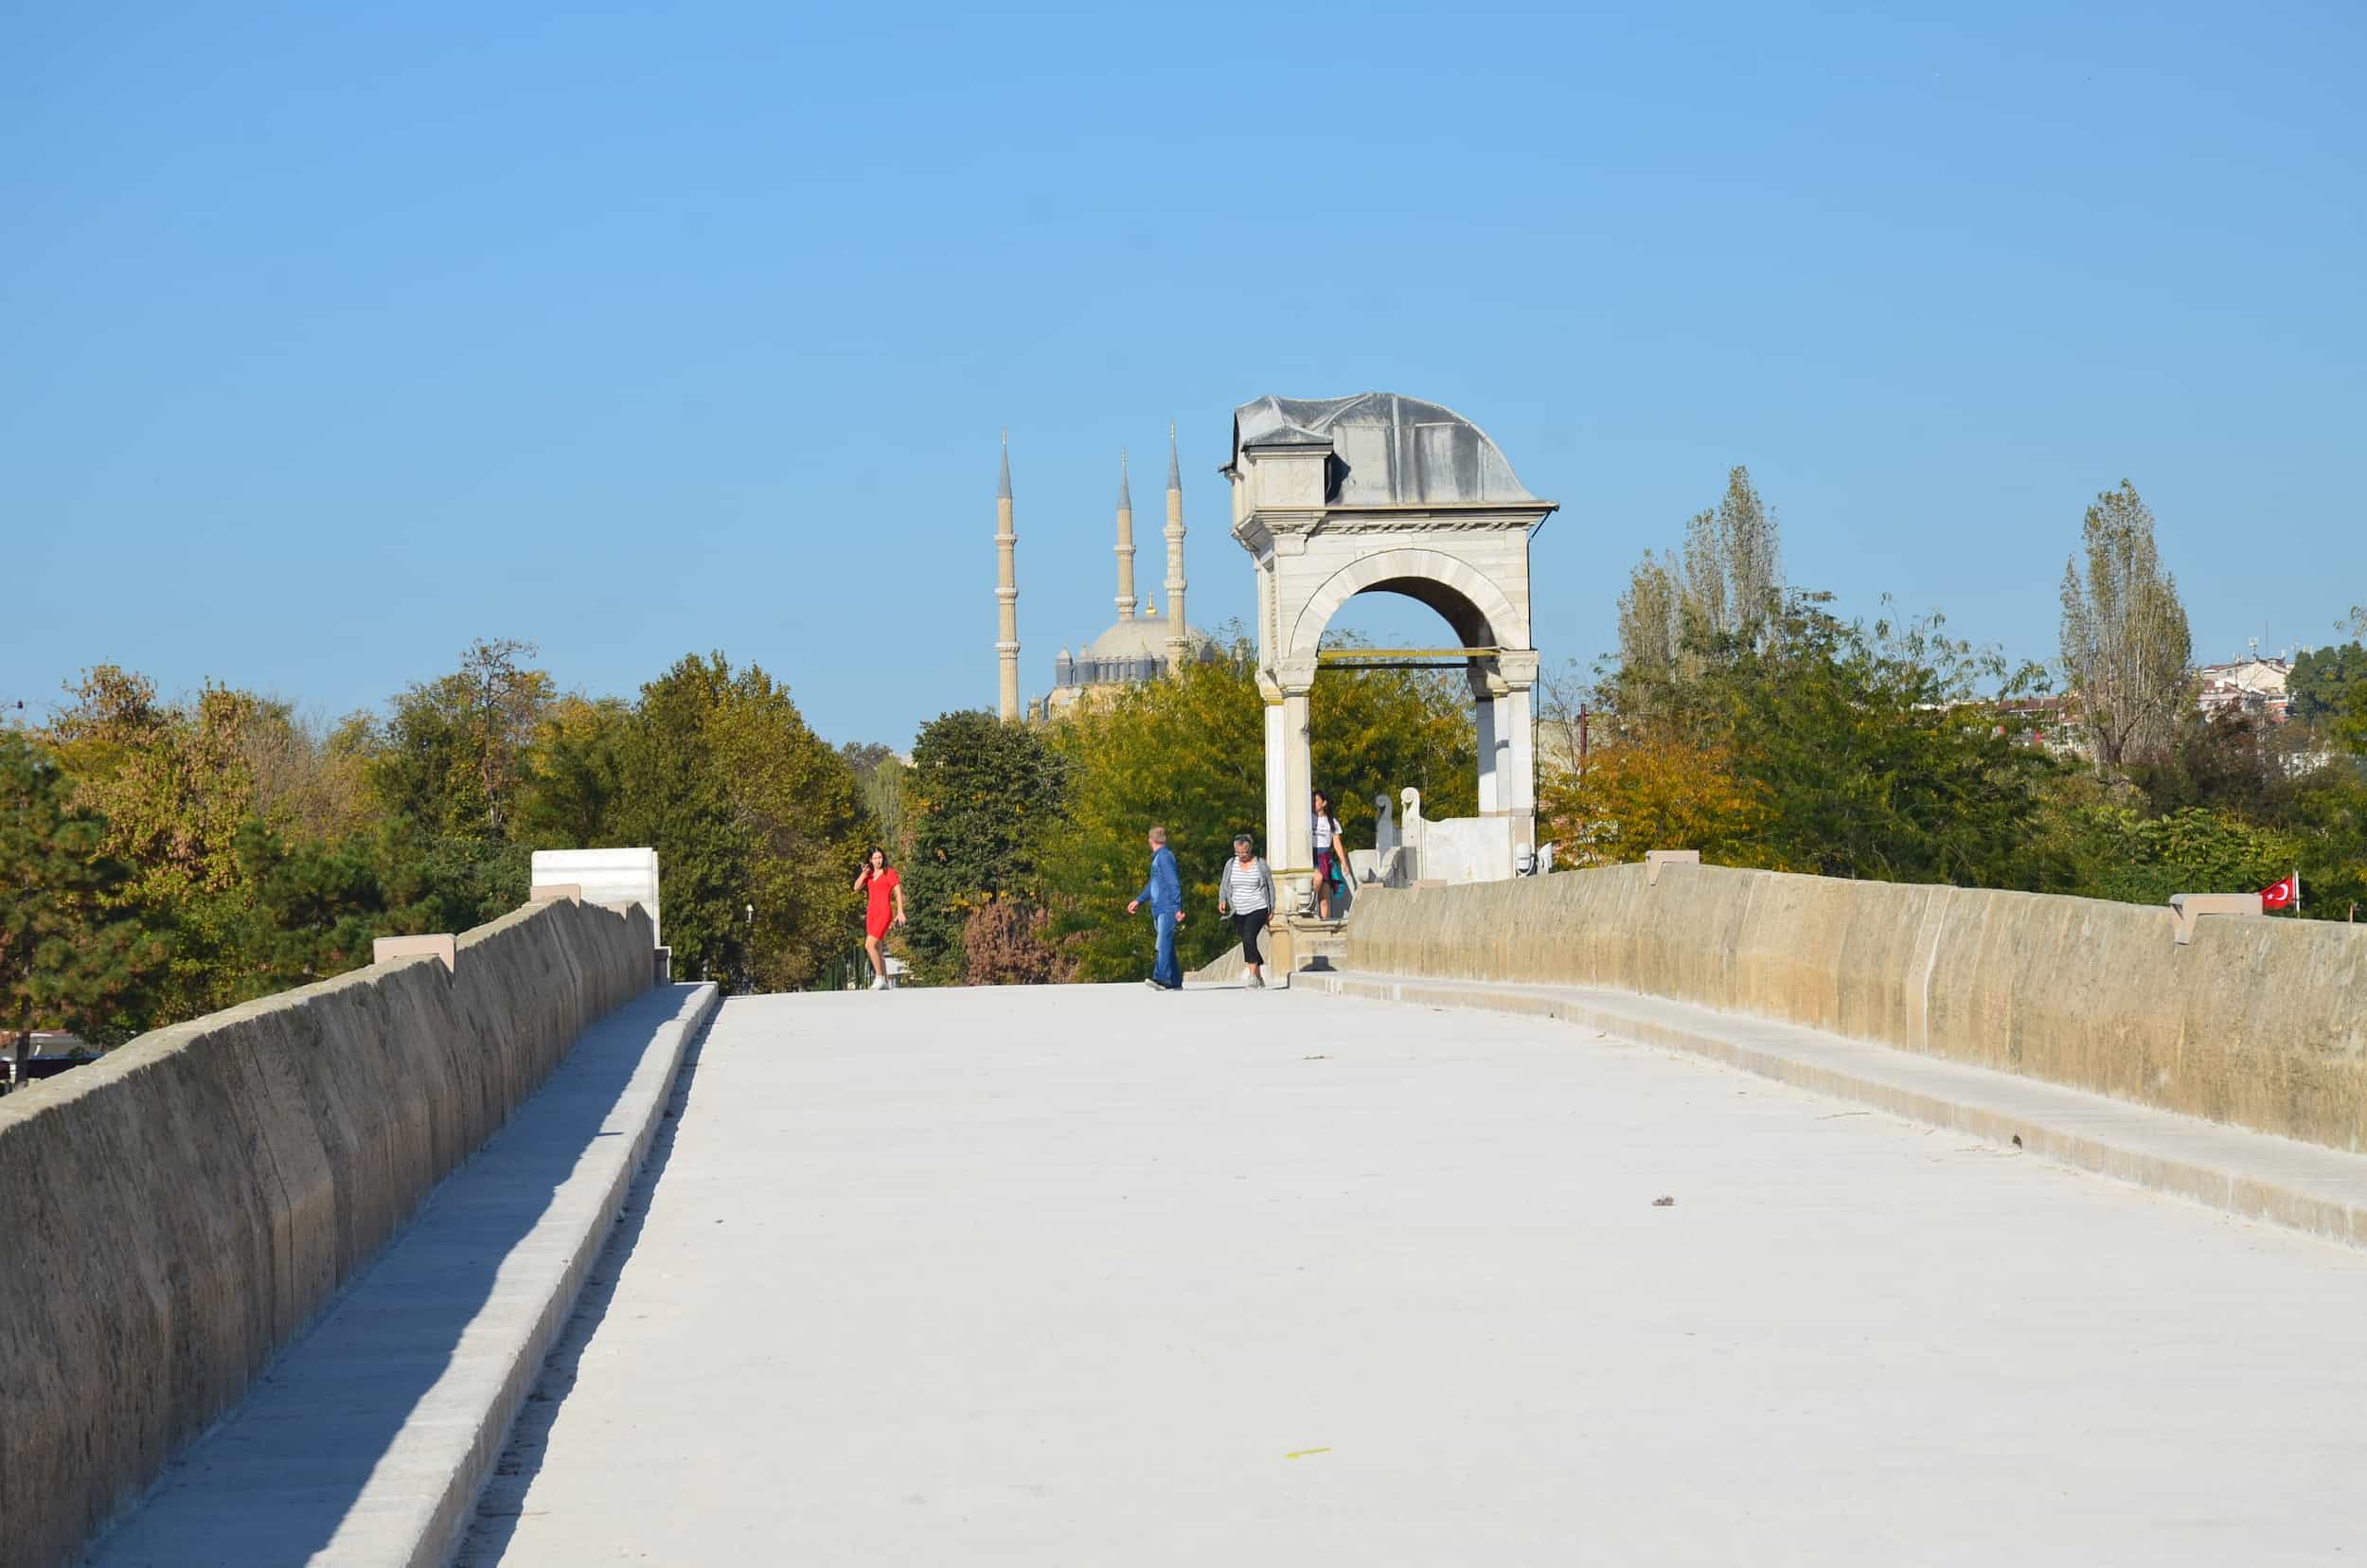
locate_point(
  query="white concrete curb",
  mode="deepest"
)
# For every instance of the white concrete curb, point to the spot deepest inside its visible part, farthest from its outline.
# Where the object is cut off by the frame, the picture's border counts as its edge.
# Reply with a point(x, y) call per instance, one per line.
point(2259, 1175)
point(369, 1439)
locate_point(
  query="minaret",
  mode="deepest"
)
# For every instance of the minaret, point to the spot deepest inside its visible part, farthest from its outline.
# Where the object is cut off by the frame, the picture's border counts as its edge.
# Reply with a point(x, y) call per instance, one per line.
point(1007, 588)
point(1126, 545)
point(1178, 643)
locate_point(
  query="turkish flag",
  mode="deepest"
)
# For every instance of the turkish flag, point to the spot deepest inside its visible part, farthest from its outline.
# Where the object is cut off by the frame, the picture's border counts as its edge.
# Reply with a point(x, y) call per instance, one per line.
point(2284, 895)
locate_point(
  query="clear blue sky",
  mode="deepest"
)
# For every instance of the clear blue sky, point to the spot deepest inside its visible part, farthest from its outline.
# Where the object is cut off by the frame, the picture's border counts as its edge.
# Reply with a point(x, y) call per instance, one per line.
point(338, 336)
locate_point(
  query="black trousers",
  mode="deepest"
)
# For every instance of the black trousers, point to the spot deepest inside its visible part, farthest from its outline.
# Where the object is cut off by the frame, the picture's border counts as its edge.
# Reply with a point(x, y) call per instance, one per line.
point(1252, 926)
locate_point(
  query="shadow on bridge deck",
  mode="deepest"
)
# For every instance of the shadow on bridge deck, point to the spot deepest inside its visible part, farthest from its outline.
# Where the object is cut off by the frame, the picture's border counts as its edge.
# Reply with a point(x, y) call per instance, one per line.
point(367, 1438)
point(495, 1520)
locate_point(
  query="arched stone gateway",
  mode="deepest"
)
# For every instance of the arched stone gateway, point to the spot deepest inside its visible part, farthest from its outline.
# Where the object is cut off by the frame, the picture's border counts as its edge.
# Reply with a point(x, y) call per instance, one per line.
point(1380, 493)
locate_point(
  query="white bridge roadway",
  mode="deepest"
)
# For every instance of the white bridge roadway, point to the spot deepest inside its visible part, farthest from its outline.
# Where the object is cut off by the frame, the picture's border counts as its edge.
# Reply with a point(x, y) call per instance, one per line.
point(1099, 1277)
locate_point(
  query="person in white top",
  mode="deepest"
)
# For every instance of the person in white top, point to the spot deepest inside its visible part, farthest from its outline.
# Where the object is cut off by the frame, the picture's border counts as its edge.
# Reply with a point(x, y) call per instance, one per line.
point(1245, 891)
point(1326, 853)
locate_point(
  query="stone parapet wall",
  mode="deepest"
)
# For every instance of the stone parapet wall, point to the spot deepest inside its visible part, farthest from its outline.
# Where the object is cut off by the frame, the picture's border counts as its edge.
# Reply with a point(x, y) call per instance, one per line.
point(178, 1211)
point(2260, 1022)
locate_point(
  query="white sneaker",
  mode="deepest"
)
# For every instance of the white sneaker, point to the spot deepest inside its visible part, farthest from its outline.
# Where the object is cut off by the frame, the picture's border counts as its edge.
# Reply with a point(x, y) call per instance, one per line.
point(878, 981)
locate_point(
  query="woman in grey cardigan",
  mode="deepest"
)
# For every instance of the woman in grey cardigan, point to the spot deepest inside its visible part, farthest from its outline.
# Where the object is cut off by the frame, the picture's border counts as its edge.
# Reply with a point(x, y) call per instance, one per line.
point(1245, 891)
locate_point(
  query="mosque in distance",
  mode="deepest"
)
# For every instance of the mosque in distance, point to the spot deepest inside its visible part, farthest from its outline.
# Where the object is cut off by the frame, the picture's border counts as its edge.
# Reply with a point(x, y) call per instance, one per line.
point(1141, 645)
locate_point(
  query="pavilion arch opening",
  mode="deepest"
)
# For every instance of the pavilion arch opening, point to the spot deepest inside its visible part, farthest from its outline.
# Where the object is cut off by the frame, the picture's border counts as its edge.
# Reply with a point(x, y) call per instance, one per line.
point(1362, 681)
point(1408, 613)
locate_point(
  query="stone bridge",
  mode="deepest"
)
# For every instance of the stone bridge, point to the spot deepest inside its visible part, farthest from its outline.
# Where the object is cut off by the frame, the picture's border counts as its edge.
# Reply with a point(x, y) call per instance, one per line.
point(1621, 1216)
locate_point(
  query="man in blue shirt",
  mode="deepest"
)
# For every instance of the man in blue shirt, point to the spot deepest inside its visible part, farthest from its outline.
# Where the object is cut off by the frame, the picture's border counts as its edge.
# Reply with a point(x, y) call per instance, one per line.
point(1163, 892)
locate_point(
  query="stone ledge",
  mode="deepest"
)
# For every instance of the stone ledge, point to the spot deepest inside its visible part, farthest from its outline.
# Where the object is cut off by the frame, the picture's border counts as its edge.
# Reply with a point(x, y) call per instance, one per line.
point(369, 1439)
point(2255, 1022)
point(2257, 1175)
point(185, 1208)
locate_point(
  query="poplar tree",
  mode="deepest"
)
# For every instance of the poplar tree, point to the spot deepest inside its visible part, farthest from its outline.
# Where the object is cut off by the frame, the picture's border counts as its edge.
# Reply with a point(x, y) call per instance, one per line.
point(2125, 642)
point(1651, 624)
point(1719, 597)
point(1733, 571)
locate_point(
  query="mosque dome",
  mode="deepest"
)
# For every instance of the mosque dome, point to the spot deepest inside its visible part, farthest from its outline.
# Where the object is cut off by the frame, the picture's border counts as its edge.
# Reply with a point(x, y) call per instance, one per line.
point(1144, 638)
point(1386, 450)
point(1131, 651)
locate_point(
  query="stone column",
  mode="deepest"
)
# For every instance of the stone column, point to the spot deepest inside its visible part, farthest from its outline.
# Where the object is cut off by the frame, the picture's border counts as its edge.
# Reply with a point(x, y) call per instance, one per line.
point(1487, 691)
point(1516, 731)
point(1516, 796)
point(1289, 782)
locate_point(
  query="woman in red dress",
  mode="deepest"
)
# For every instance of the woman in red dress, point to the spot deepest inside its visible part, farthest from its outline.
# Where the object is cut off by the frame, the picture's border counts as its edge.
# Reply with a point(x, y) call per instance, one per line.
point(886, 908)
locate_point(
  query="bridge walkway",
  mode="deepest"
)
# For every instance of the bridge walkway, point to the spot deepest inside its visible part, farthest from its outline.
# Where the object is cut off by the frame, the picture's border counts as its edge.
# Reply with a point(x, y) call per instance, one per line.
point(1095, 1276)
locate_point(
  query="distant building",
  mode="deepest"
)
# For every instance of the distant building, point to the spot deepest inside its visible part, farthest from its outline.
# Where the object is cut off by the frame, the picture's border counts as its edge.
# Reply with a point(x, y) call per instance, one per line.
point(2051, 723)
point(2254, 685)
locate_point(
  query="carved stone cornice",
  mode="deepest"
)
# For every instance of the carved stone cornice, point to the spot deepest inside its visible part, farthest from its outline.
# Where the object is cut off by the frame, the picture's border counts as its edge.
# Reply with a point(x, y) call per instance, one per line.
point(1442, 519)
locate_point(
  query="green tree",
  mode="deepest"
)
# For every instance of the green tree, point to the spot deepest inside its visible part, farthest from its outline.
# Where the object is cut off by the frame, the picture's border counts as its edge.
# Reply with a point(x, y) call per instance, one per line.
point(317, 904)
point(755, 821)
point(1374, 732)
point(2322, 679)
point(983, 800)
point(307, 780)
point(449, 881)
point(2218, 761)
point(2124, 643)
point(1648, 793)
point(72, 954)
point(795, 804)
point(574, 774)
point(173, 783)
point(453, 756)
point(2138, 859)
point(879, 776)
point(1653, 652)
point(670, 796)
point(1725, 592)
point(2349, 726)
point(2327, 817)
point(1734, 572)
point(1871, 754)
point(1188, 753)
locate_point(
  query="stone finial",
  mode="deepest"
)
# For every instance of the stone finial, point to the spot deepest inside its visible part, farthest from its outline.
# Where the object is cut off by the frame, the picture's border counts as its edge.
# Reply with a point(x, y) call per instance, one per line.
point(1655, 859)
point(2189, 907)
point(441, 945)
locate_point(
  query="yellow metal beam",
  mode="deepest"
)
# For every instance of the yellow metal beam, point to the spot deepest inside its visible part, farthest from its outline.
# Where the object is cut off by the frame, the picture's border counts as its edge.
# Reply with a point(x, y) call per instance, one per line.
point(1351, 655)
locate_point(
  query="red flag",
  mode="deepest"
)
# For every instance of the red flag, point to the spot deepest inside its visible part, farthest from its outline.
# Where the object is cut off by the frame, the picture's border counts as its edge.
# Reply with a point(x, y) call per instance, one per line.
point(2284, 895)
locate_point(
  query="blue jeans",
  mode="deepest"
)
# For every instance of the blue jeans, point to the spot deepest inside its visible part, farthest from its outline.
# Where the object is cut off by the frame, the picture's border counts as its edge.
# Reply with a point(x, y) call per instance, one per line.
point(1166, 970)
